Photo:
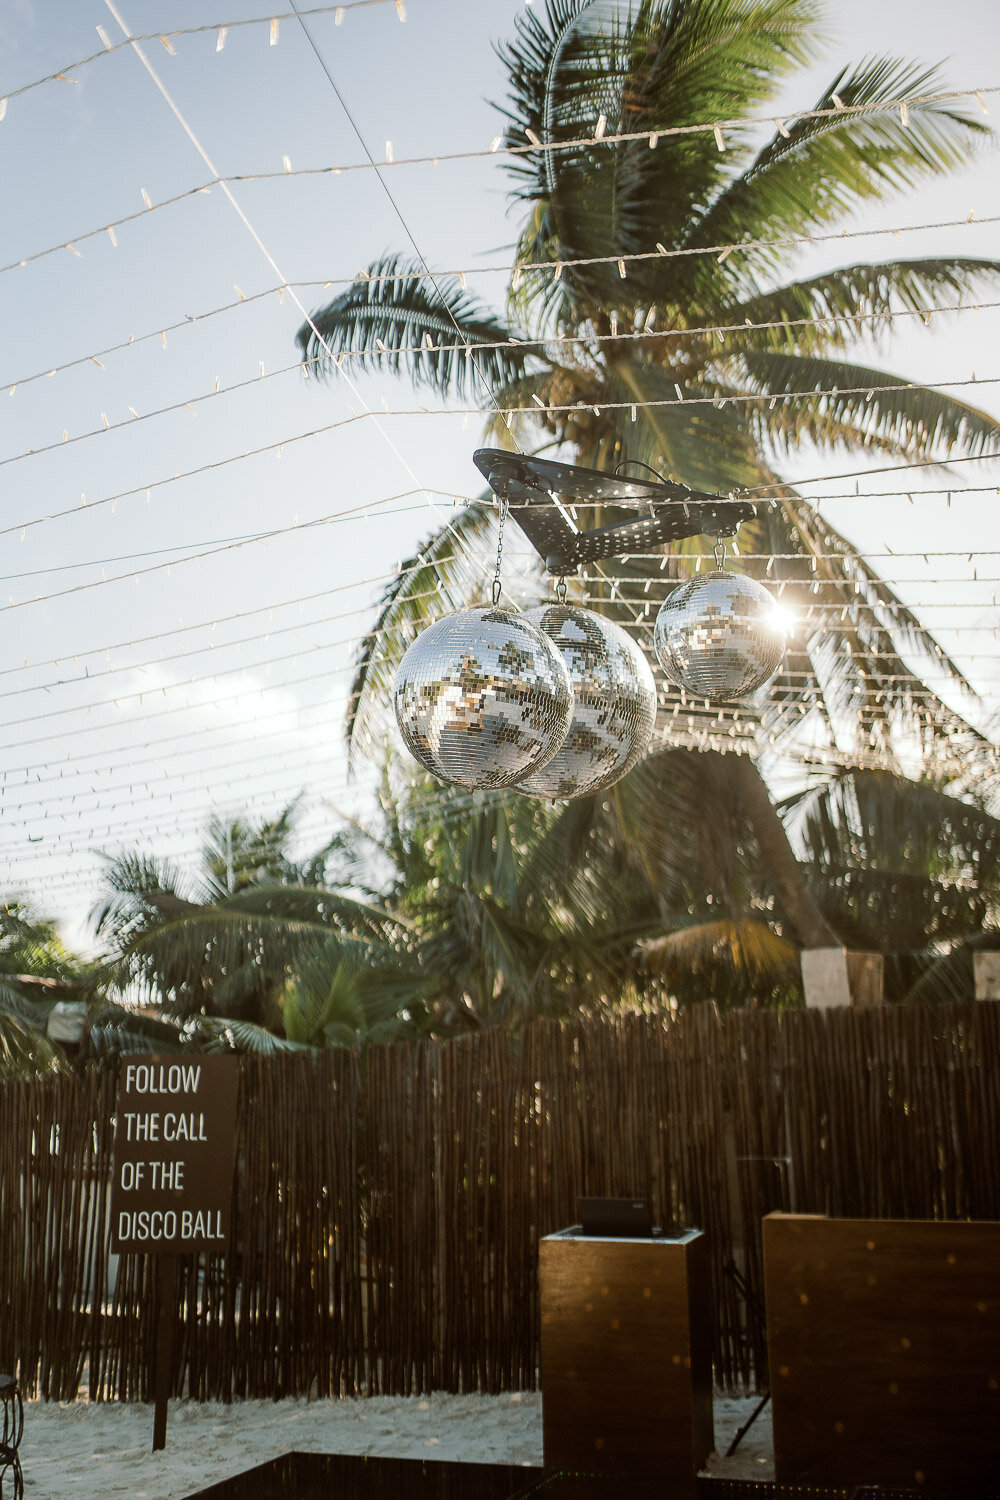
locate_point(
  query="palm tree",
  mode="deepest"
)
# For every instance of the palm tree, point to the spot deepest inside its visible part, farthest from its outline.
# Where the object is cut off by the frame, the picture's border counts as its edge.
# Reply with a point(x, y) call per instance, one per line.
point(650, 318)
point(517, 907)
point(903, 868)
point(511, 905)
point(36, 973)
point(234, 956)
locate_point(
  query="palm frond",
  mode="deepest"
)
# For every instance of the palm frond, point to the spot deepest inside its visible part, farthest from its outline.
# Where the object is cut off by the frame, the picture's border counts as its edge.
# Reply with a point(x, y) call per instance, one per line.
point(138, 887)
point(241, 852)
point(438, 578)
point(855, 300)
point(706, 447)
point(854, 406)
point(680, 63)
point(231, 1034)
point(950, 976)
point(24, 1047)
point(432, 331)
point(751, 949)
point(903, 864)
point(116, 1030)
point(825, 166)
point(232, 956)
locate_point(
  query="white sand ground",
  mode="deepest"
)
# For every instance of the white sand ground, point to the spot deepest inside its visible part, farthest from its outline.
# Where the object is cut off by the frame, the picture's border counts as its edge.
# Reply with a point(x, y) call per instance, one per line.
point(104, 1449)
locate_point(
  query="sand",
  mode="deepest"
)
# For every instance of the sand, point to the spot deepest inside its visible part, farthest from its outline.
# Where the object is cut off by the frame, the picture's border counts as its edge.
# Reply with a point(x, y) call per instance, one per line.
point(105, 1448)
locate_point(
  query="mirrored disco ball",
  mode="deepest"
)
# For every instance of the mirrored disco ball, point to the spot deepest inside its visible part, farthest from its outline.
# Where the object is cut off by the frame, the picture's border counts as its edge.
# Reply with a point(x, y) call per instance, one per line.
point(483, 698)
point(719, 636)
point(614, 703)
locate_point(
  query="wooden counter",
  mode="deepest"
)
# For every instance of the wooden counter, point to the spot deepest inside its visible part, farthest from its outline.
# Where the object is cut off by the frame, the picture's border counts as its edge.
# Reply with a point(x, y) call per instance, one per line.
point(884, 1347)
point(626, 1354)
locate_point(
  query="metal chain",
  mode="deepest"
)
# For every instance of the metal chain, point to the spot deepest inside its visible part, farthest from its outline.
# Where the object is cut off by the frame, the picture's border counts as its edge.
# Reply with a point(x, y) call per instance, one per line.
point(561, 591)
point(720, 554)
point(496, 577)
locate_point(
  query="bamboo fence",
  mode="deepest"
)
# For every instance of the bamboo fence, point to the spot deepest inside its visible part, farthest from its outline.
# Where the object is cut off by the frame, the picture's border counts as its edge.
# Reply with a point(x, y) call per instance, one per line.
point(387, 1203)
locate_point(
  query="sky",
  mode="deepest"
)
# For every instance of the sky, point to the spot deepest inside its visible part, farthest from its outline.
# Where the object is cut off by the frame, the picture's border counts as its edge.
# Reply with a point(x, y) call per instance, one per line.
point(193, 535)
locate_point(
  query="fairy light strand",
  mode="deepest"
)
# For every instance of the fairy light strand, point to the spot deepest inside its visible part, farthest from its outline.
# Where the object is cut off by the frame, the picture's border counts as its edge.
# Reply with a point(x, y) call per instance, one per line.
point(666, 733)
point(61, 75)
point(385, 352)
point(500, 149)
point(825, 612)
point(190, 319)
point(671, 702)
point(719, 251)
point(152, 485)
point(481, 563)
point(255, 236)
point(312, 767)
point(312, 648)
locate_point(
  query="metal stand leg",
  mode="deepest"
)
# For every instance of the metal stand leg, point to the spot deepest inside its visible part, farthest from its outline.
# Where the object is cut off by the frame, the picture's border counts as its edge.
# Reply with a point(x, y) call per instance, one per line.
point(13, 1427)
point(737, 1440)
point(755, 1313)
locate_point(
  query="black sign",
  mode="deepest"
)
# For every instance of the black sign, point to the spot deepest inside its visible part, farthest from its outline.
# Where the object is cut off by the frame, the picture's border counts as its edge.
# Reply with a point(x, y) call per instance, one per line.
point(175, 1144)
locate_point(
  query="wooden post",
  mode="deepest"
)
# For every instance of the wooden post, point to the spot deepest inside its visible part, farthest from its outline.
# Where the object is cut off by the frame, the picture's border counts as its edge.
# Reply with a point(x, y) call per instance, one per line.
point(835, 976)
point(986, 972)
point(167, 1300)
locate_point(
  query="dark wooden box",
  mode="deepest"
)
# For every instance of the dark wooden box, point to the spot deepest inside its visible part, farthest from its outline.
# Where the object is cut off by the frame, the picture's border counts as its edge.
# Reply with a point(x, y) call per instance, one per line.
point(884, 1346)
point(626, 1355)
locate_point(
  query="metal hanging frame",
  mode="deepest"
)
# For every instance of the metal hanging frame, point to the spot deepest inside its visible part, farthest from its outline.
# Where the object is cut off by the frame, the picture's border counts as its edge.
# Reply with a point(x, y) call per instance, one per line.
point(534, 487)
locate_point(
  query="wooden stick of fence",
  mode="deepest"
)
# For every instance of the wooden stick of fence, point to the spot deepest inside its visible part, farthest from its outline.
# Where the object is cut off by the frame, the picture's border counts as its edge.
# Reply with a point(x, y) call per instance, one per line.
point(388, 1203)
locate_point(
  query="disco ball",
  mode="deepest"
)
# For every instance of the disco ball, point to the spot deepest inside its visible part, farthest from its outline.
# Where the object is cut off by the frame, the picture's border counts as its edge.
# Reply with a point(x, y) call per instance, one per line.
point(614, 707)
point(483, 698)
point(719, 636)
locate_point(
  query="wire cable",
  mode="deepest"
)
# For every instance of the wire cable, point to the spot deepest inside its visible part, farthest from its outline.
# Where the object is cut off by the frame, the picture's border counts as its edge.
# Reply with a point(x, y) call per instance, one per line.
point(246, 299)
point(383, 352)
point(61, 75)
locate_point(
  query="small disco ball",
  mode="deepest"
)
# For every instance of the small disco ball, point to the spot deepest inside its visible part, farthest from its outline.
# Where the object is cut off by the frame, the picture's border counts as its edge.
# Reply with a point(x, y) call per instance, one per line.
point(614, 707)
point(483, 698)
point(719, 636)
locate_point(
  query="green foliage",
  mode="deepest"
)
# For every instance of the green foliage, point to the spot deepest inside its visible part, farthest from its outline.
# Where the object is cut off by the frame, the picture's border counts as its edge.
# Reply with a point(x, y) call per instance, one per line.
point(628, 366)
point(36, 973)
point(606, 362)
point(234, 948)
point(899, 865)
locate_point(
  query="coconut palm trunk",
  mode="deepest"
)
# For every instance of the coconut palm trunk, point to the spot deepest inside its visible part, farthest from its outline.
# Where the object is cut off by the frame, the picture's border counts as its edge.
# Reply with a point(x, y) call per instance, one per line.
point(808, 923)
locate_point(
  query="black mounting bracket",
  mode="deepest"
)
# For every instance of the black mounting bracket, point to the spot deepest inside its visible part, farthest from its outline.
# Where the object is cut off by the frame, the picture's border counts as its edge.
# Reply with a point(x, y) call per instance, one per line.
point(529, 486)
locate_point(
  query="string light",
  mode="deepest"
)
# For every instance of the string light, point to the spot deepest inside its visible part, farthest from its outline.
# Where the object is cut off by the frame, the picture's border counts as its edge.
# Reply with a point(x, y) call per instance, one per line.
point(245, 221)
point(535, 267)
point(720, 729)
point(222, 28)
point(645, 335)
point(157, 484)
point(165, 689)
point(808, 612)
point(71, 767)
point(550, 409)
point(476, 563)
point(806, 756)
point(243, 667)
point(319, 767)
